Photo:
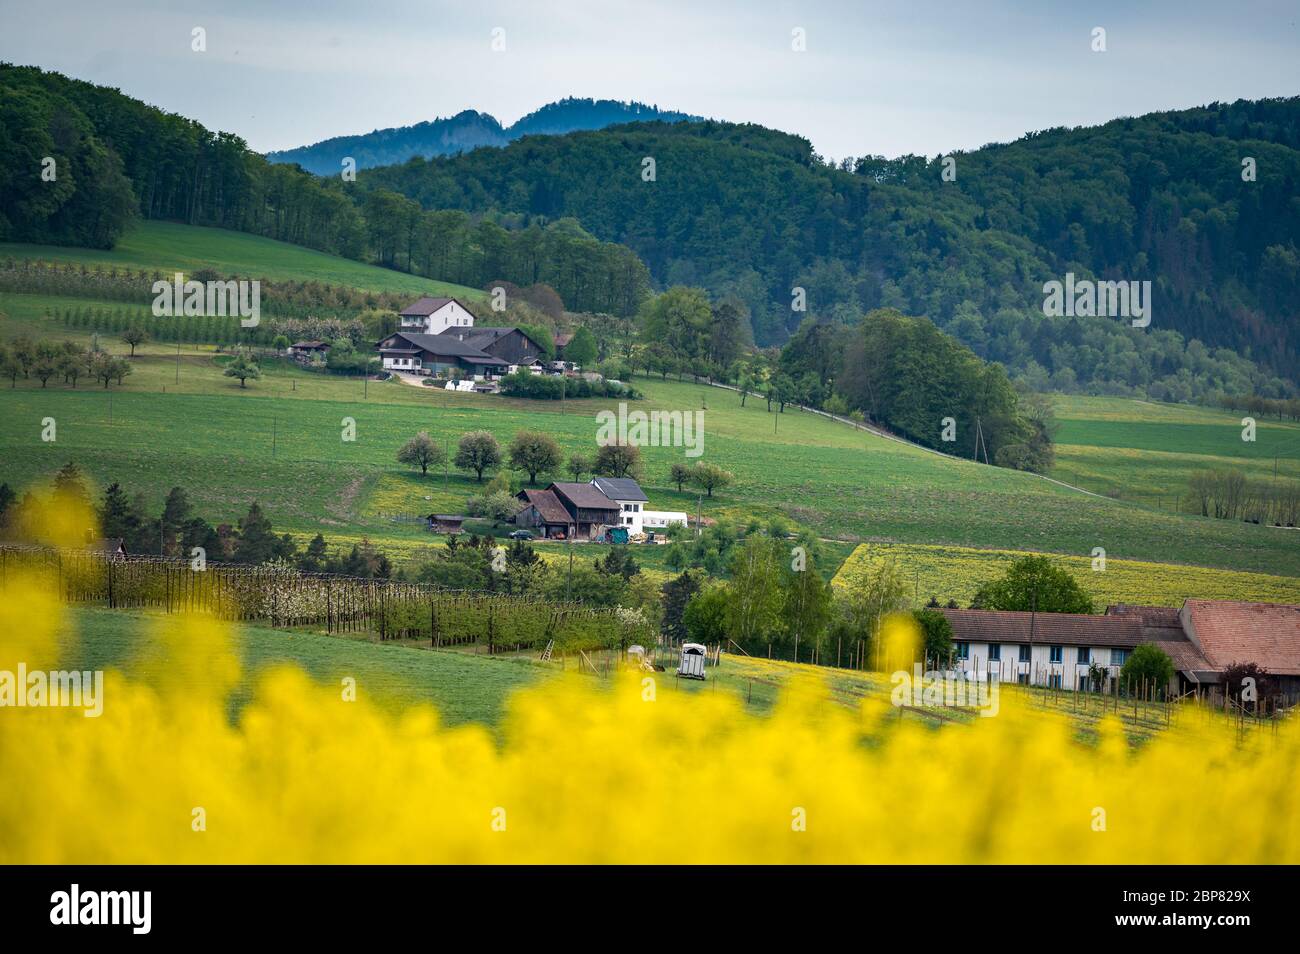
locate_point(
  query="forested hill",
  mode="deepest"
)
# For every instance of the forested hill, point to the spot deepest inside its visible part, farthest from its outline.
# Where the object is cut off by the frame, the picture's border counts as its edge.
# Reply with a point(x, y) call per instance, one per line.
point(464, 131)
point(750, 212)
point(79, 161)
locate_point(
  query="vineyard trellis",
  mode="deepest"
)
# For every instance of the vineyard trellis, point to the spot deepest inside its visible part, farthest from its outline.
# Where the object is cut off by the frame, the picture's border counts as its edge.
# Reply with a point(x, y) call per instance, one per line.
point(286, 597)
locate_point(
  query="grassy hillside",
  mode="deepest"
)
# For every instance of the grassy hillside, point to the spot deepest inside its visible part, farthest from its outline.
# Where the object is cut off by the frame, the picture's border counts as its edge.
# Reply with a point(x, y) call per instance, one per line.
point(178, 420)
point(1142, 451)
point(169, 246)
point(283, 435)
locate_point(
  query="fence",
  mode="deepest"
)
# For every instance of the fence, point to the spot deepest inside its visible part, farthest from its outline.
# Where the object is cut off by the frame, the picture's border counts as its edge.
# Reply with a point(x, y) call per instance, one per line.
point(286, 597)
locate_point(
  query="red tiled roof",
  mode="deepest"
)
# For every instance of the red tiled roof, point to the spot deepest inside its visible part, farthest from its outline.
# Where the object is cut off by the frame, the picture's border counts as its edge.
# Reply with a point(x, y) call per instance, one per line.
point(1183, 653)
point(1072, 629)
point(1230, 632)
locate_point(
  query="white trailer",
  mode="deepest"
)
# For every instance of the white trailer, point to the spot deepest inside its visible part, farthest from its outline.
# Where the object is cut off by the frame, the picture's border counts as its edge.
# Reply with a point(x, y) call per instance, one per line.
point(692, 664)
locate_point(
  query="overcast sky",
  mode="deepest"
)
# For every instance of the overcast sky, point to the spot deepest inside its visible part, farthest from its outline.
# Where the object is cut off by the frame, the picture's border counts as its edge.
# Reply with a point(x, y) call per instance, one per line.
point(876, 77)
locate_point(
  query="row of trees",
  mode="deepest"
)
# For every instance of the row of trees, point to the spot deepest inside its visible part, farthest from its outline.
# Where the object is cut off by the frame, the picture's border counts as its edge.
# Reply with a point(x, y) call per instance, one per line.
point(68, 361)
point(1228, 494)
point(177, 529)
point(538, 455)
point(1261, 406)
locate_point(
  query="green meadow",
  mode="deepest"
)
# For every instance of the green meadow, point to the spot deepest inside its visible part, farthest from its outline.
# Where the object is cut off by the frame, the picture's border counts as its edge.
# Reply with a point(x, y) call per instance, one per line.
point(172, 246)
point(178, 420)
point(280, 441)
point(1145, 452)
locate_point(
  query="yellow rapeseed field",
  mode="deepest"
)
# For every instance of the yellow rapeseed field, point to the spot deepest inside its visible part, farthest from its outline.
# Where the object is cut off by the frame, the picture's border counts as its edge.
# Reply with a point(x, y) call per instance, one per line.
point(955, 573)
point(583, 775)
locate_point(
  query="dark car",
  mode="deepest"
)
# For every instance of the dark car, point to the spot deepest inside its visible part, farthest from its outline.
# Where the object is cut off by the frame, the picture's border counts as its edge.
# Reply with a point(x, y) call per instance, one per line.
point(521, 535)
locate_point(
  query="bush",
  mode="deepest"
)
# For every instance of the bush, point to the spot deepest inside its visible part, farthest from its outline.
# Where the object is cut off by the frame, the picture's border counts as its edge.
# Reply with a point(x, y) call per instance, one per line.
point(1149, 665)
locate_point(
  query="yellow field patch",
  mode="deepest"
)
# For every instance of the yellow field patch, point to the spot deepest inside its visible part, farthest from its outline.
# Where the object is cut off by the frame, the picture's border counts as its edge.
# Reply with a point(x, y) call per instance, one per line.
point(955, 573)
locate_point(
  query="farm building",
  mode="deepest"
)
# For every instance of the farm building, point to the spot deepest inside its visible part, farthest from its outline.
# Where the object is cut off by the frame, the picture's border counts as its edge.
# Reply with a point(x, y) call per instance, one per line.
point(572, 509)
point(309, 352)
point(433, 316)
point(543, 512)
point(444, 522)
point(438, 336)
point(628, 495)
point(1217, 634)
point(589, 509)
point(511, 345)
point(1203, 638)
point(437, 354)
point(631, 501)
point(1041, 649)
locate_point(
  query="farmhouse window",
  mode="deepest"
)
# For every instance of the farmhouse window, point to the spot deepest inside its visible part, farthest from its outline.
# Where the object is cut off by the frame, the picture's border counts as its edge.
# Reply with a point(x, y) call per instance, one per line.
point(1085, 655)
point(1118, 657)
point(1024, 654)
point(963, 650)
point(1057, 654)
point(995, 652)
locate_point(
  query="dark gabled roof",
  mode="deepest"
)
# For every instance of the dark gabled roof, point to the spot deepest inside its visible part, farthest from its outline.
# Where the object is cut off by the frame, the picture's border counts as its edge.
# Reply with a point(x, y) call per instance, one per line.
point(620, 488)
point(547, 504)
point(309, 344)
point(427, 306)
point(438, 344)
point(482, 336)
point(583, 495)
point(1069, 629)
point(486, 332)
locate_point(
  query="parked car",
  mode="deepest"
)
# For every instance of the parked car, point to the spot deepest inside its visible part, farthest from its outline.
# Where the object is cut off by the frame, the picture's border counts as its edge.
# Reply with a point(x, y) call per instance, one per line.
point(521, 535)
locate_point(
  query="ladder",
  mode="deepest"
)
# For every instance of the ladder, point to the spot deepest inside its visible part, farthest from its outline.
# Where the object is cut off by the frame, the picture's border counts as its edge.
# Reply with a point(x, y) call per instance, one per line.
point(546, 653)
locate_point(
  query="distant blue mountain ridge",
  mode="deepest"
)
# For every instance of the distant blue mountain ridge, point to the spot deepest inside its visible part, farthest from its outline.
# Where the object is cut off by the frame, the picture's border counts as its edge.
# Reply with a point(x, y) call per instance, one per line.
point(468, 130)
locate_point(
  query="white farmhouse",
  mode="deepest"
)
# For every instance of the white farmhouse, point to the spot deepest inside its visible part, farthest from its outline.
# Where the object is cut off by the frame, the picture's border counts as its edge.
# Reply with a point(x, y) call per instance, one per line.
point(629, 496)
point(631, 501)
point(433, 316)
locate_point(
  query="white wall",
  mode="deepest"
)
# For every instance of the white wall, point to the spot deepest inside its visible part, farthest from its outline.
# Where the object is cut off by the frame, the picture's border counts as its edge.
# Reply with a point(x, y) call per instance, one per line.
point(450, 315)
point(631, 515)
point(1040, 667)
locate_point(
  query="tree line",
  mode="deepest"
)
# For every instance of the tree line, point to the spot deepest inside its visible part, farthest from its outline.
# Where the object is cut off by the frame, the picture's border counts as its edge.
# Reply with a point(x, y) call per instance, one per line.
point(115, 159)
point(177, 529)
point(756, 214)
